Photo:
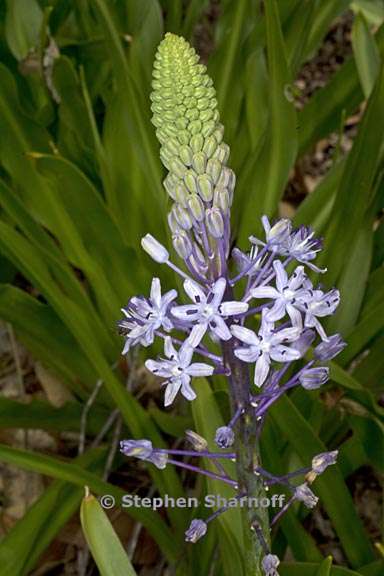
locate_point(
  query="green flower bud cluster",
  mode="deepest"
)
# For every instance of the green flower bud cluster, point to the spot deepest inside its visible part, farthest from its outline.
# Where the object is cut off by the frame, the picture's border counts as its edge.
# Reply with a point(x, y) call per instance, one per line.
point(187, 124)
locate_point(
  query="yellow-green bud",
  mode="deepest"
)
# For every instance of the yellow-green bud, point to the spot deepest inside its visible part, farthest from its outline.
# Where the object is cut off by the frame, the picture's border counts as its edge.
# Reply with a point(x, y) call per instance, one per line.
point(188, 126)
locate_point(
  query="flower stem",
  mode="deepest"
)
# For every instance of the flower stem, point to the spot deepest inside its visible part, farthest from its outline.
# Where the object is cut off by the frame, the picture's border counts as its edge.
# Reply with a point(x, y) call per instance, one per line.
point(247, 459)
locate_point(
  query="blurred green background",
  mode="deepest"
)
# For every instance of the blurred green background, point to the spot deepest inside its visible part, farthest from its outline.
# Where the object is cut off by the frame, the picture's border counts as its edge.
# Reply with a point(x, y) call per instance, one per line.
point(300, 85)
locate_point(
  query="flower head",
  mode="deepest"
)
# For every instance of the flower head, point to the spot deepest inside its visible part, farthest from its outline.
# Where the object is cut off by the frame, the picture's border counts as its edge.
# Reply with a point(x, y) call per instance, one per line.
point(196, 530)
point(317, 304)
point(285, 295)
point(313, 378)
point(270, 564)
point(208, 311)
point(265, 346)
point(224, 437)
point(143, 316)
point(143, 450)
point(178, 370)
point(323, 460)
point(304, 494)
point(330, 348)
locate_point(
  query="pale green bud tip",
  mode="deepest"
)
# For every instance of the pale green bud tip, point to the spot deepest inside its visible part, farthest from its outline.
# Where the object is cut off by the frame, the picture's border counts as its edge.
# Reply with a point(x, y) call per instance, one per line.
point(184, 107)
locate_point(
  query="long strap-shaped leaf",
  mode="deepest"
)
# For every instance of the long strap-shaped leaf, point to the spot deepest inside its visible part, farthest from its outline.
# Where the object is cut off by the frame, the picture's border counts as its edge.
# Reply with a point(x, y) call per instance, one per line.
point(106, 548)
point(331, 488)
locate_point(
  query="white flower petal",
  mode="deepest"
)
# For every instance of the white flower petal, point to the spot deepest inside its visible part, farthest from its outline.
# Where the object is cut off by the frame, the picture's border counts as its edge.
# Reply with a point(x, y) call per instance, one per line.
point(199, 369)
point(284, 354)
point(232, 308)
point(171, 390)
point(261, 370)
point(186, 389)
point(159, 368)
point(194, 291)
point(277, 311)
point(156, 292)
point(265, 292)
point(219, 328)
point(249, 354)
point(185, 354)
point(187, 312)
point(197, 334)
point(245, 335)
point(281, 275)
point(169, 349)
point(295, 316)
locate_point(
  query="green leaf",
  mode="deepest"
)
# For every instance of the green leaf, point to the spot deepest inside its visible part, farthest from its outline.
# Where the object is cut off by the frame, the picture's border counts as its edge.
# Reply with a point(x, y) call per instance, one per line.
point(366, 54)
point(355, 188)
point(42, 522)
point(34, 323)
point(325, 567)
point(270, 170)
point(373, 10)
point(106, 548)
point(330, 487)
point(40, 414)
point(355, 273)
point(309, 569)
point(23, 23)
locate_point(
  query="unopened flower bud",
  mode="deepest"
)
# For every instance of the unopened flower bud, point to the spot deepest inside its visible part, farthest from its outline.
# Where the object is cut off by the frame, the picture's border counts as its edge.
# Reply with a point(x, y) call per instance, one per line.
point(221, 199)
point(304, 494)
point(155, 250)
point(199, 161)
point(172, 223)
point(196, 530)
point(197, 142)
point(182, 244)
point(314, 377)
point(196, 207)
point(183, 217)
point(222, 153)
point(224, 437)
point(270, 564)
point(181, 194)
point(214, 169)
point(205, 187)
point(215, 222)
point(190, 181)
point(198, 442)
point(329, 349)
point(323, 460)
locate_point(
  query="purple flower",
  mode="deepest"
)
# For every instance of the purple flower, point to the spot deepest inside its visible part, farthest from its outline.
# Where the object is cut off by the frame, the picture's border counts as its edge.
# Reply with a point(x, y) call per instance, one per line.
point(323, 460)
point(270, 564)
point(304, 494)
point(208, 311)
point(247, 264)
point(303, 247)
point(265, 346)
point(329, 349)
point(303, 343)
point(196, 530)
point(318, 304)
point(285, 295)
point(224, 437)
point(143, 316)
point(143, 450)
point(275, 235)
point(313, 378)
point(178, 370)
